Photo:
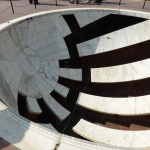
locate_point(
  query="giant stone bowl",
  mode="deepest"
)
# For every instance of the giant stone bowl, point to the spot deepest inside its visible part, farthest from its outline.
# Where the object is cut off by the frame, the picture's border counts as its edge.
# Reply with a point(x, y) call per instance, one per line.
point(57, 68)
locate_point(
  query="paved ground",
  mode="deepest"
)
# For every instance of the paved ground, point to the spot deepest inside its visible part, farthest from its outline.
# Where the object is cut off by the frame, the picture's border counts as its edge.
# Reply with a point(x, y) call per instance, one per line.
point(22, 7)
point(6, 146)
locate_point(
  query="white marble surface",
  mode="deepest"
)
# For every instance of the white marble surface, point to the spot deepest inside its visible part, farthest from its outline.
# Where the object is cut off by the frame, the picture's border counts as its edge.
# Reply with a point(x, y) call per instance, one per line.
point(73, 74)
point(87, 17)
point(28, 87)
point(127, 72)
point(121, 106)
point(30, 51)
point(118, 39)
point(6, 95)
point(33, 106)
point(60, 112)
point(61, 90)
point(105, 135)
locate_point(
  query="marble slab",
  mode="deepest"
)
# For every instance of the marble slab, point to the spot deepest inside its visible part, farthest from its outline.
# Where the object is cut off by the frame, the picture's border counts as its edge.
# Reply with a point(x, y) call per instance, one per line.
point(121, 106)
point(73, 74)
point(121, 73)
point(33, 106)
point(109, 136)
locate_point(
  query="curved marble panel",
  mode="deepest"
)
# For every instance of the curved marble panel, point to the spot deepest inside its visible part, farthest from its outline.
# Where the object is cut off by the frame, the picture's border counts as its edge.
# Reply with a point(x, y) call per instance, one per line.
point(109, 136)
point(121, 38)
point(121, 106)
point(121, 73)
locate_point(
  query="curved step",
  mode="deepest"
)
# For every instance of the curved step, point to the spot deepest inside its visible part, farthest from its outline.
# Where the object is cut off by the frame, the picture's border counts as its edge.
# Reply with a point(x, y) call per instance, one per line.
point(33, 106)
point(128, 72)
point(73, 74)
point(60, 112)
point(120, 106)
point(115, 137)
point(115, 40)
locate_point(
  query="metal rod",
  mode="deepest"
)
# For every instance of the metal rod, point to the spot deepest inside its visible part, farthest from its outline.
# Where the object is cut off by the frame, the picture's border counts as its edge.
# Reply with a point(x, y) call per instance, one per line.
point(77, 2)
point(144, 4)
point(12, 6)
point(35, 3)
point(119, 2)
